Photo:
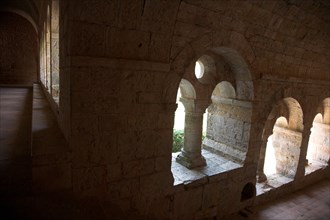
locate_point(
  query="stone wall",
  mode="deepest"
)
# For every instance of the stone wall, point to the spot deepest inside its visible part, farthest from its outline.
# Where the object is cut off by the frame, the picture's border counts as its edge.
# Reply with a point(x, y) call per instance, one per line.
point(320, 141)
point(228, 129)
point(19, 46)
point(121, 63)
point(286, 145)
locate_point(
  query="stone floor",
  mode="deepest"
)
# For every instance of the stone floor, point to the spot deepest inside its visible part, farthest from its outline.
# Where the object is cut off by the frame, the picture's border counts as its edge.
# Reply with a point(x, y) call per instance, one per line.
point(215, 164)
point(15, 139)
point(311, 203)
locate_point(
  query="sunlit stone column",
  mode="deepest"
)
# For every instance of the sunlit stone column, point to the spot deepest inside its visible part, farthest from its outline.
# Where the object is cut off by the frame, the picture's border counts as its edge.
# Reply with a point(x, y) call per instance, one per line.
point(260, 172)
point(303, 152)
point(190, 155)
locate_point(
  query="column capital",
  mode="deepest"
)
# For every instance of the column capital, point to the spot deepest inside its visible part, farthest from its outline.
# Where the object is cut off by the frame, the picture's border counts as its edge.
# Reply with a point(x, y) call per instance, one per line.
point(195, 105)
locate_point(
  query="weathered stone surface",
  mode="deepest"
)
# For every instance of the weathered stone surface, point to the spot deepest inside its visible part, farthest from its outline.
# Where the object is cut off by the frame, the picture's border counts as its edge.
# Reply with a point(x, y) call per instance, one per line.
point(191, 200)
point(120, 67)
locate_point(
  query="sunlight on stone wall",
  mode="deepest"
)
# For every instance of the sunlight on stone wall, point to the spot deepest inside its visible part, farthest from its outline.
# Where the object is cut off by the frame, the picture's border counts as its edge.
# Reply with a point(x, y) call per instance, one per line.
point(270, 162)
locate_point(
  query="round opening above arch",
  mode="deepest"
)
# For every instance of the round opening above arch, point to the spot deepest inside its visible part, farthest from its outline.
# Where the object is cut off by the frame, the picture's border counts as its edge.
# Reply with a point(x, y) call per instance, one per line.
point(219, 64)
point(205, 69)
point(199, 69)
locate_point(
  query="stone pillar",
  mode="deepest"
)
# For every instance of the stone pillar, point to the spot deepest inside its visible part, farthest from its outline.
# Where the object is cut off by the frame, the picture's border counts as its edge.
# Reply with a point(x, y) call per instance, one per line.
point(260, 172)
point(303, 152)
point(191, 155)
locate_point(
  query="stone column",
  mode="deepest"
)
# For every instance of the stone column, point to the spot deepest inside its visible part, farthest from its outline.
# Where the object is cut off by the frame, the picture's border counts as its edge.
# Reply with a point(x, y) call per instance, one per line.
point(260, 172)
point(303, 152)
point(191, 155)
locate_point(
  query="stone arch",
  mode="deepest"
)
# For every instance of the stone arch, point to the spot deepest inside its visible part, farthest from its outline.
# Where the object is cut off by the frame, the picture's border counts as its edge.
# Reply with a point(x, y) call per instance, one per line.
point(187, 89)
point(236, 144)
point(285, 123)
point(229, 123)
point(220, 64)
point(237, 56)
point(224, 89)
point(190, 154)
point(224, 64)
point(238, 66)
point(295, 117)
point(282, 103)
point(290, 109)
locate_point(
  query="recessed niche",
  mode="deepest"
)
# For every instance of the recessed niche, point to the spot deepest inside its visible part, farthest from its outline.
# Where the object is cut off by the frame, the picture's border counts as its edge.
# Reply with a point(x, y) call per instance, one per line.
point(248, 192)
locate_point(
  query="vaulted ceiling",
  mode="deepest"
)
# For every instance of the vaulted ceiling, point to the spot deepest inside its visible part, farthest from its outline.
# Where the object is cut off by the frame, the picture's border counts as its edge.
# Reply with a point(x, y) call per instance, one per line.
point(26, 8)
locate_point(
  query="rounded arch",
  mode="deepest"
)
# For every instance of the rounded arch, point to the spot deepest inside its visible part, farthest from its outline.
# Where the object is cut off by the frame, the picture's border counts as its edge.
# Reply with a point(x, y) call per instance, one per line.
point(236, 62)
point(236, 56)
point(283, 132)
point(289, 109)
point(278, 111)
point(187, 89)
point(295, 121)
point(224, 89)
point(238, 67)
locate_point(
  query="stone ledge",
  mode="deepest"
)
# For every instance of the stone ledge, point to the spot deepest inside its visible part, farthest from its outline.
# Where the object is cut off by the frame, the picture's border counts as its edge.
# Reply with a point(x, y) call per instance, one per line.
point(216, 167)
point(119, 63)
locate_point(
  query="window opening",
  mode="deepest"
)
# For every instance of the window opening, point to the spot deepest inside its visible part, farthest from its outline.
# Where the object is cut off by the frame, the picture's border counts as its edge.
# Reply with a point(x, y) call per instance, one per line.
point(178, 130)
point(55, 90)
point(199, 69)
point(270, 156)
point(281, 157)
point(48, 52)
point(227, 133)
point(270, 160)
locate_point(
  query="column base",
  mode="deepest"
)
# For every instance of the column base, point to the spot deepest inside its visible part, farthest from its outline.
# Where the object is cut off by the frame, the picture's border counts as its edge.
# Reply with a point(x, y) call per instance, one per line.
point(190, 160)
point(261, 177)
